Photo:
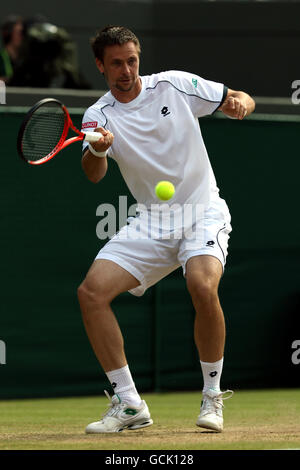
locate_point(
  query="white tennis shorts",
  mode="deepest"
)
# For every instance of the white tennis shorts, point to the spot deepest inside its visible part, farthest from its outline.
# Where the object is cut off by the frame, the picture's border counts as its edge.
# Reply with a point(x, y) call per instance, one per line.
point(151, 258)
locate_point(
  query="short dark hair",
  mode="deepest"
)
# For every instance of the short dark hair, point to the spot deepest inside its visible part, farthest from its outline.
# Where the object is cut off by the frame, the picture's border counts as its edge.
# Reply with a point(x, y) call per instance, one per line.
point(111, 35)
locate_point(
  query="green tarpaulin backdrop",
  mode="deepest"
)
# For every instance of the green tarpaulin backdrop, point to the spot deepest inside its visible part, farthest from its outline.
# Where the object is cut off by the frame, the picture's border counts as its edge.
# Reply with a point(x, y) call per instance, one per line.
point(48, 241)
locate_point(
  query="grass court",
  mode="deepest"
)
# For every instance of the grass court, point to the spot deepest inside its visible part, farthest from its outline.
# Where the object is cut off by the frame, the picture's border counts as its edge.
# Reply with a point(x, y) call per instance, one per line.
point(254, 420)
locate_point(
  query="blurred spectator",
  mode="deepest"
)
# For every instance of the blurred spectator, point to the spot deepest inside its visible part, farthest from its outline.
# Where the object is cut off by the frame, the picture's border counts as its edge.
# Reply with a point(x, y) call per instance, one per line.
point(49, 58)
point(12, 39)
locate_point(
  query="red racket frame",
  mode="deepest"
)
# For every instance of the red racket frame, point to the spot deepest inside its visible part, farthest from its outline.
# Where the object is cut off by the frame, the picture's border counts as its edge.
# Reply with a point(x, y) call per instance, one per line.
point(63, 141)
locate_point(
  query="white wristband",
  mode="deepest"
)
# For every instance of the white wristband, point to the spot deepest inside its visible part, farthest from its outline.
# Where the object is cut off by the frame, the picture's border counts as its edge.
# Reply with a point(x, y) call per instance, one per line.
point(97, 154)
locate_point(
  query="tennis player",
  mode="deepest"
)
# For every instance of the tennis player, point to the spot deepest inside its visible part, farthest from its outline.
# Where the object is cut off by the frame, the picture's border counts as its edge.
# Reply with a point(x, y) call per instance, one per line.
point(150, 128)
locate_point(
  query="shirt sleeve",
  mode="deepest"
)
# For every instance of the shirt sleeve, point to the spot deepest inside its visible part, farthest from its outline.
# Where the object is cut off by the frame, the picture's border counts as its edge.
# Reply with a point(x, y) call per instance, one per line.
point(203, 96)
point(90, 121)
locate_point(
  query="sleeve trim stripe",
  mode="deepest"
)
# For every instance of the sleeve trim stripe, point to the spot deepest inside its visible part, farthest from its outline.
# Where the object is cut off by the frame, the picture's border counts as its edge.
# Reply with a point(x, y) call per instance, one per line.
point(225, 91)
point(182, 91)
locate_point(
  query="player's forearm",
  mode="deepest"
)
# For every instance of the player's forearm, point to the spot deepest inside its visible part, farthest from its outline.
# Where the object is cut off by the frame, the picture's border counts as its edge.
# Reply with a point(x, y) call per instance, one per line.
point(94, 167)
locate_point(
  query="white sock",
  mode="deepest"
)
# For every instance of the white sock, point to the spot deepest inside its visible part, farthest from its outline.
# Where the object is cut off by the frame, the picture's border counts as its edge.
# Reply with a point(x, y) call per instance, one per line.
point(211, 372)
point(123, 385)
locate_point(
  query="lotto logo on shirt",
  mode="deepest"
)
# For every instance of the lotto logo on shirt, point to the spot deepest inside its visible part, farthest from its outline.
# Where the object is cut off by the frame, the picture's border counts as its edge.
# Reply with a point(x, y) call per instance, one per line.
point(88, 125)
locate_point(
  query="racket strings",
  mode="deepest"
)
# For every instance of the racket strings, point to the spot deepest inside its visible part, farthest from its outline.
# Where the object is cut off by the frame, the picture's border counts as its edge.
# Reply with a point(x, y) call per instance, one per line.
point(43, 132)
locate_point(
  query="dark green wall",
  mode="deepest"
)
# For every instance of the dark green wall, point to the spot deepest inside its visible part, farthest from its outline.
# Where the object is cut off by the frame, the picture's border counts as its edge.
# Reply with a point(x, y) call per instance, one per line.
point(48, 233)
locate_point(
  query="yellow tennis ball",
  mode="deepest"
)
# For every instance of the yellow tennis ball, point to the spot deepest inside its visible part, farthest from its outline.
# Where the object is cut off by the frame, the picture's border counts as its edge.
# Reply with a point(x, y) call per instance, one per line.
point(164, 190)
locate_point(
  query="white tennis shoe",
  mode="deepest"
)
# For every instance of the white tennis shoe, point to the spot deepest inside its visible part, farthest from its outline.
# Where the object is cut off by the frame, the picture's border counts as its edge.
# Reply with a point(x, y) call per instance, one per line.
point(121, 415)
point(211, 411)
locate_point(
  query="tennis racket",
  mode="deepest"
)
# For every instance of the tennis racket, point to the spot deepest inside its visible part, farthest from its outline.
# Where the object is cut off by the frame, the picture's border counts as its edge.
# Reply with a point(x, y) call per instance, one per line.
point(44, 132)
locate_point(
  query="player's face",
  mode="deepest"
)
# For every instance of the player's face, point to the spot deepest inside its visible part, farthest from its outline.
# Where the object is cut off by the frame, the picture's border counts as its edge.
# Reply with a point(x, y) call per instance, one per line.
point(121, 68)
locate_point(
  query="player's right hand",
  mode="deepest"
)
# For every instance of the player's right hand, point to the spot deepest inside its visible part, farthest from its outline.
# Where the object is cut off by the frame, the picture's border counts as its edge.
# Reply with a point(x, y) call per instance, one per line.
point(104, 142)
point(235, 107)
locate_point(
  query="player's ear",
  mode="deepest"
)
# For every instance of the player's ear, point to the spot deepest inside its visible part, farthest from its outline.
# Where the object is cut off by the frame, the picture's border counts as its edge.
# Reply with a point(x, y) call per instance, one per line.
point(99, 65)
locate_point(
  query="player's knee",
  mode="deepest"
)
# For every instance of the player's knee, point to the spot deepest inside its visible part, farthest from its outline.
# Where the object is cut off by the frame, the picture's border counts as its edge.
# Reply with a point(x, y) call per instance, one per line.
point(84, 293)
point(91, 293)
point(202, 289)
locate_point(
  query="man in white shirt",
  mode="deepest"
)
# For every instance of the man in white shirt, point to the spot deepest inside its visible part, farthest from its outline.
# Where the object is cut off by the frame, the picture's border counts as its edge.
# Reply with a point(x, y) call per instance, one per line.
point(150, 128)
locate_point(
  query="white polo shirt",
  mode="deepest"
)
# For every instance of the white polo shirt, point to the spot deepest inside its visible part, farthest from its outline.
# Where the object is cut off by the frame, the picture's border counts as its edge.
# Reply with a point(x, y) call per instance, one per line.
point(157, 136)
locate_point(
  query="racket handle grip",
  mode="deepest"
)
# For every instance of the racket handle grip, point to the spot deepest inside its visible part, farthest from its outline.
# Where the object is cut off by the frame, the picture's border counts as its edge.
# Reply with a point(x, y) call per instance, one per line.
point(92, 136)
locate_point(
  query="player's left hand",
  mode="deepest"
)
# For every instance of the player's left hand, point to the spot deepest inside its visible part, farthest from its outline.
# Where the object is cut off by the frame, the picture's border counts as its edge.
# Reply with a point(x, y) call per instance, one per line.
point(234, 107)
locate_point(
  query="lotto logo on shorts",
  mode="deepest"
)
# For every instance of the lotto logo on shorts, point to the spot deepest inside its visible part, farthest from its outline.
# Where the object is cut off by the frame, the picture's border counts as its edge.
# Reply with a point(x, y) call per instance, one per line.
point(88, 125)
